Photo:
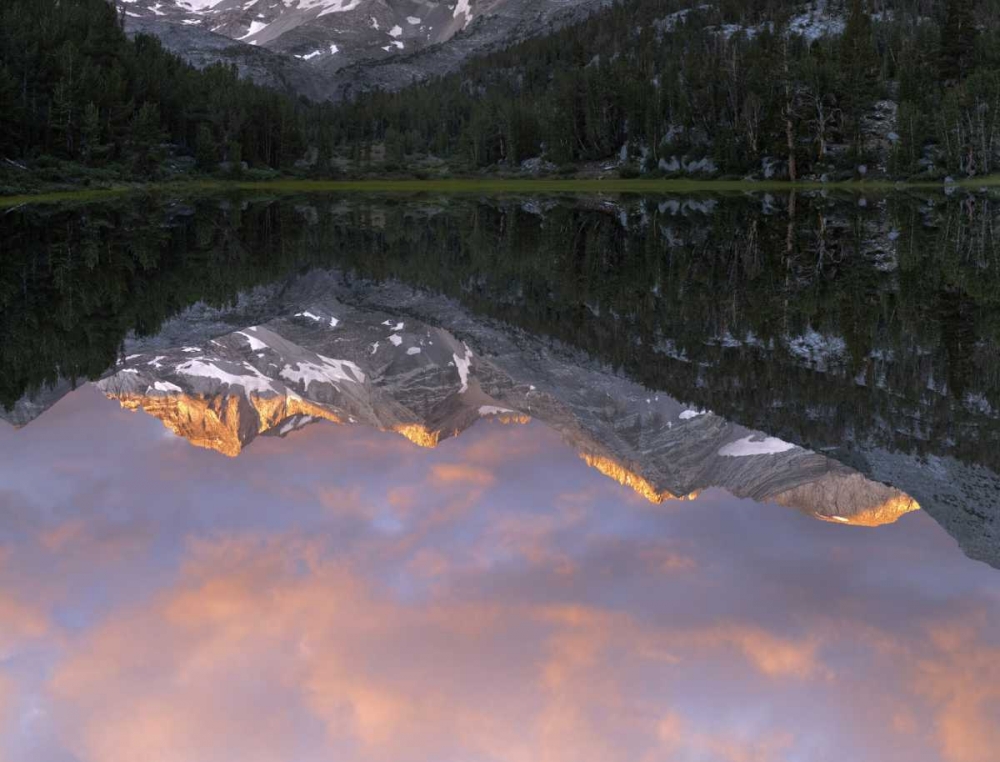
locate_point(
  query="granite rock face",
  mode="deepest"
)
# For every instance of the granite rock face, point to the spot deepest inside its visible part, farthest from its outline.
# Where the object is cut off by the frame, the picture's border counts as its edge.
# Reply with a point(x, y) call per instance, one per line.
point(329, 49)
point(203, 48)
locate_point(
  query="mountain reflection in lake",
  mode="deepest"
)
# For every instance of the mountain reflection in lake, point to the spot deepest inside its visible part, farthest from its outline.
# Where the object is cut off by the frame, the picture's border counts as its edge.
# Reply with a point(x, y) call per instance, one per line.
point(488, 591)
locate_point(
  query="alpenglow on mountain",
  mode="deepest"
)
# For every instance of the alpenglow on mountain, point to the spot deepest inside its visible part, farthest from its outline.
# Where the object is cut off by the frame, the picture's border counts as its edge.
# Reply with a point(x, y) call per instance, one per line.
point(329, 361)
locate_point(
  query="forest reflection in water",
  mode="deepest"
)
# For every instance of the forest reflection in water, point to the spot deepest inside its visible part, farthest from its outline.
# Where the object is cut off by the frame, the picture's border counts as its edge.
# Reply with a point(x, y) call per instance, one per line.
point(494, 595)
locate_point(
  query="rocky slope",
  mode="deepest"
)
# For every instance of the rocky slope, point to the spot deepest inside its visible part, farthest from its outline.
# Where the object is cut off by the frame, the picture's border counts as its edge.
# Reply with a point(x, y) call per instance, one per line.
point(201, 48)
point(313, 40)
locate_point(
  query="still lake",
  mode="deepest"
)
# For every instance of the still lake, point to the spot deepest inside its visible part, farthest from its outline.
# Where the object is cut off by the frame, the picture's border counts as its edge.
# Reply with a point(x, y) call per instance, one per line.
point(450, 478)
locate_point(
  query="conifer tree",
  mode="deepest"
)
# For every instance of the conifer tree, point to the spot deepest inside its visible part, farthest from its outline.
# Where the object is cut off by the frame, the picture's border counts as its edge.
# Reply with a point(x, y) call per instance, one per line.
point(958, 40)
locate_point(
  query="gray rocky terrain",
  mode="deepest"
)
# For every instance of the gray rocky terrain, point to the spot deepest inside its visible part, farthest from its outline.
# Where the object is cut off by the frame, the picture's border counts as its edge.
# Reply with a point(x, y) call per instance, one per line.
point(327, 49)
point(202, 48)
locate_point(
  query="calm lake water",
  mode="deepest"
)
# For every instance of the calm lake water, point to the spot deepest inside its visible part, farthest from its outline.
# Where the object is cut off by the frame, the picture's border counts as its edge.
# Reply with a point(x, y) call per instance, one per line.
point(462, 479)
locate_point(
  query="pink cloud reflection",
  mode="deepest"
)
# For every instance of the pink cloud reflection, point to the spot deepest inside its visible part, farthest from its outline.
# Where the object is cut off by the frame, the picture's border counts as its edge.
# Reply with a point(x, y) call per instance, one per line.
point(327, 598)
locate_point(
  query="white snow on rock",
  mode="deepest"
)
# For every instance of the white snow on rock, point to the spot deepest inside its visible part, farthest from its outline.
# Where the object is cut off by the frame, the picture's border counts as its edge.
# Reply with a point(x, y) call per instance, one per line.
point(166, 387)
point(462, 365)
point(255, 27)
point(296, 422)
point(396, 31)
point(316, 318)
point(687, 415)
point(463, 7)
point(396, 339)
point(413, 351)
point(331, 371)
point(412, 20)
point(199, 5)
point(255, 344)
point(254, 381)
point(751, 445)
point(330, 6)
point(493, 410)
point(374, 22)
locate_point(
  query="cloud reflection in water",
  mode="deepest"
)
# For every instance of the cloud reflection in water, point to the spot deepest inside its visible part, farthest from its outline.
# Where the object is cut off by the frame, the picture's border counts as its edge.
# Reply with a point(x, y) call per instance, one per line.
point(341, 594)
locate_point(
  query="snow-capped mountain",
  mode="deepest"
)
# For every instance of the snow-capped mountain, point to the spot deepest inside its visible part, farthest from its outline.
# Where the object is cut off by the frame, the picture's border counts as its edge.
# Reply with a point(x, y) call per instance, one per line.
point(329, 35)
point(329, 361)
point(314, 29)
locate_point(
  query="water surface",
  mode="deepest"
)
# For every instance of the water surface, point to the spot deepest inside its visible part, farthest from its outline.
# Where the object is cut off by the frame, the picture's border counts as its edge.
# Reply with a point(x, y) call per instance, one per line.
point(426, 478)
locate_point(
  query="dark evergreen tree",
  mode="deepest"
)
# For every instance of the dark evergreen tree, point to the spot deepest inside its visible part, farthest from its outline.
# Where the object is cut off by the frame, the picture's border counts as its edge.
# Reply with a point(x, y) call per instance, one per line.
point(206, 150)
point(958, 40)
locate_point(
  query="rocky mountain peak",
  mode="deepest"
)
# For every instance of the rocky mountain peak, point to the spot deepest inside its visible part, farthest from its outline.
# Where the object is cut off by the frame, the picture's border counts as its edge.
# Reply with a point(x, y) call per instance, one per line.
point(353, 366)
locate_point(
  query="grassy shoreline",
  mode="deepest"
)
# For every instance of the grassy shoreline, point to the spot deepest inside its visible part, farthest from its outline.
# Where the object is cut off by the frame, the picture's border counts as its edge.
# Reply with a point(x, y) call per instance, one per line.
point(492, 186)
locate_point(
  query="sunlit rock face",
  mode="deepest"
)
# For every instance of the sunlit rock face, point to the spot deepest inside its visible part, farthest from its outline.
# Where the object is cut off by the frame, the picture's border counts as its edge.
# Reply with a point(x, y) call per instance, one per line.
point(627, 478)
point(228, 422)
point(272, 379)
point(849, 499)
point(350, 365)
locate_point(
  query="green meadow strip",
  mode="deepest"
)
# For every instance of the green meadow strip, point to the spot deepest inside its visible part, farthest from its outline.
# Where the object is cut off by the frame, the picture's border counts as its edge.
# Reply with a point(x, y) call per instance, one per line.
point(491, 186)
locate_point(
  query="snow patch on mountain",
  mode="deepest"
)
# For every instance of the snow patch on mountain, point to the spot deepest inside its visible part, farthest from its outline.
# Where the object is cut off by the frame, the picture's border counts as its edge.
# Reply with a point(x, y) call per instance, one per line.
point(462, 364)
point(463, 7)
point(755, 445)
point(331, 371)
point(255, 343)
point(687, 415)
point(166, 387)
point(252, 380)
point(336, 7)
point(255, 28)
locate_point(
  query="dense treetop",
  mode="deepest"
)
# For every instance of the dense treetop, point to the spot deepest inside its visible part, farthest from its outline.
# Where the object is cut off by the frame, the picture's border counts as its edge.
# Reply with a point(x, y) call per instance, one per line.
point(74, 86)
